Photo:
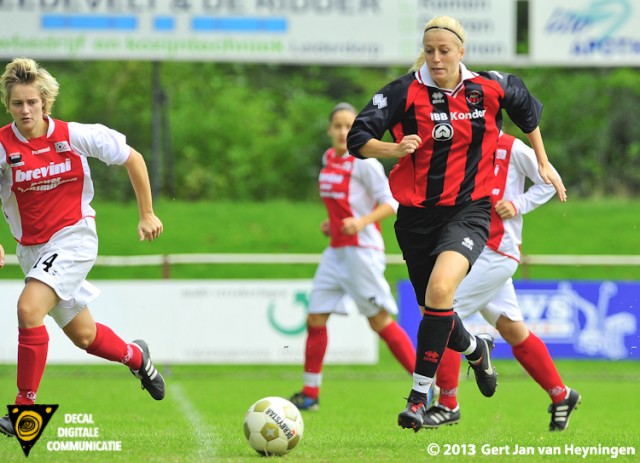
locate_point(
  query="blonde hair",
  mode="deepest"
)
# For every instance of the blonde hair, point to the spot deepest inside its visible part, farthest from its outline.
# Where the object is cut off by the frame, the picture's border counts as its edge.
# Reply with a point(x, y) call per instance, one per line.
point(446, 23)
point(25, 71)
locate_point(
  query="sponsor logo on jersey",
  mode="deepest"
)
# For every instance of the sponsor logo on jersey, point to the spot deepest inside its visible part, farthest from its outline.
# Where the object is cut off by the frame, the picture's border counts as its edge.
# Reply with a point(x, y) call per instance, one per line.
point(501, 153)
point(495, 192)
point(459, 116)
point(474, 97)
point(15, 159)
point(330, 177)
point(442, 132)
point(42, 150)
point(43, 172)
point(380, 100)
point(437, 97)
point(62, 146)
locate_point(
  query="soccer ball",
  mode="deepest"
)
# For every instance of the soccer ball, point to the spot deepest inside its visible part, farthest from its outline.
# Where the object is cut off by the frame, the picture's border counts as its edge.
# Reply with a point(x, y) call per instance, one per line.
point(273, 426)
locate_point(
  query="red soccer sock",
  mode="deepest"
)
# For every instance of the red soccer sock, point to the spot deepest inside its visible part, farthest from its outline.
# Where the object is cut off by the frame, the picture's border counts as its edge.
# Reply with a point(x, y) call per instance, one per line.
point(110, 346)
point(33, 345)
point(316, 348)
point(400, 345)
point(447, 378)
point(534, 356)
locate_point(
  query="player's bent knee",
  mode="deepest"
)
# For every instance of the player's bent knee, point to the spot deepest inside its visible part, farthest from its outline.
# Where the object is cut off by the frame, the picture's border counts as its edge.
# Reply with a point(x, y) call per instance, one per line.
point(513, 332)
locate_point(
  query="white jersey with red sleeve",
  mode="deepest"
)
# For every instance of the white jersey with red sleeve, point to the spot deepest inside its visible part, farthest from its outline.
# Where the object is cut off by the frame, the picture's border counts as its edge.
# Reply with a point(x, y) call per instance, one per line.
point(515, 162)
point(352, 187)
point(45, 182)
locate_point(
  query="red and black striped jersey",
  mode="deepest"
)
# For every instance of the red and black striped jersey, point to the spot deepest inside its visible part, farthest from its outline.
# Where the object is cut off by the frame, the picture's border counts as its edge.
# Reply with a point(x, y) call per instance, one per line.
point(459, 130)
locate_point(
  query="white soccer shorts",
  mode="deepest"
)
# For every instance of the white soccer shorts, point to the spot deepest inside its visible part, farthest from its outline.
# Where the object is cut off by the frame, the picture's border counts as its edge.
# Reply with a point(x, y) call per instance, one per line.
point(63, 263)
point(349, 275)
point(488, 289)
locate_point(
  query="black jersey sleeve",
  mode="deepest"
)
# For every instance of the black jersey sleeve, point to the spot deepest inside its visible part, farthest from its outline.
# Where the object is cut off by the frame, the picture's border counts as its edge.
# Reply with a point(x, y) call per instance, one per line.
point(521, 106)
point(382, 112)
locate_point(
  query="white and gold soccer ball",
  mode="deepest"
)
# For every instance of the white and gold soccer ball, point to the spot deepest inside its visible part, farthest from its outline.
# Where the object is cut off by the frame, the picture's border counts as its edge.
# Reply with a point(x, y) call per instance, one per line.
point(273, 426)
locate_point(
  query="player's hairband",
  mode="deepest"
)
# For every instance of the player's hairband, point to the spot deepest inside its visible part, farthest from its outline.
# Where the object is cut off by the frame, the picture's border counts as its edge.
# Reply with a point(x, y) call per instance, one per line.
point(446, 29)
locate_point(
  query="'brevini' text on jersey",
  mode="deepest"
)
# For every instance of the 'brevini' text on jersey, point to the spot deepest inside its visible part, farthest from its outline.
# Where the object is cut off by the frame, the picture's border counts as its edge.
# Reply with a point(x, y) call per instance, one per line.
point(50, 175)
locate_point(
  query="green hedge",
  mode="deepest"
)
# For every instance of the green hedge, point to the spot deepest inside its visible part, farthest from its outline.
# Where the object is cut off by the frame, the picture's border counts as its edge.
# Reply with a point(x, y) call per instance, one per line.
point(256, 132)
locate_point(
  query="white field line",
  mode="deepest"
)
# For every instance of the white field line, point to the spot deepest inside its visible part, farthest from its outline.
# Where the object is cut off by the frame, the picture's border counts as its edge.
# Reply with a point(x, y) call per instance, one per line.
point(204, 435)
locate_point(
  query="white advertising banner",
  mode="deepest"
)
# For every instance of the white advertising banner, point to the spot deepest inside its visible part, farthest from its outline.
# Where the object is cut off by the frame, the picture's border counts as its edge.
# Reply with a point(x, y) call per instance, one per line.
point(284, 31)
point(359, 32)
point(585, 32)
point(489, 25)
point(201, 321)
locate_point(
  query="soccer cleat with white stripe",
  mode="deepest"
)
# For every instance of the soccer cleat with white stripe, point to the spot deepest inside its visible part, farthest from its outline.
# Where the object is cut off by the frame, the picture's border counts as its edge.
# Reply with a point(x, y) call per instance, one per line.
point(561, 412)
point(6, 427)
point(485, 373)
point(439, 415)
point(150, 378)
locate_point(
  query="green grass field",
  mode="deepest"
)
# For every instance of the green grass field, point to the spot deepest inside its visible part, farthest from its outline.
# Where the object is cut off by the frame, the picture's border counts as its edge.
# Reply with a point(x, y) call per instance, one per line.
point(201, 418)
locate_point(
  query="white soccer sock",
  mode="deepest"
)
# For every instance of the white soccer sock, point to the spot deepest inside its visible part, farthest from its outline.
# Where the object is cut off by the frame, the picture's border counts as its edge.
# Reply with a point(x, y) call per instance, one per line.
point(421, 383)
point(472, 346)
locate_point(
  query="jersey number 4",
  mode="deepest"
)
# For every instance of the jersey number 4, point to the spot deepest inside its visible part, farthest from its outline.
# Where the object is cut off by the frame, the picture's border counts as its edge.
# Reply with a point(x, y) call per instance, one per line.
point(47, 263)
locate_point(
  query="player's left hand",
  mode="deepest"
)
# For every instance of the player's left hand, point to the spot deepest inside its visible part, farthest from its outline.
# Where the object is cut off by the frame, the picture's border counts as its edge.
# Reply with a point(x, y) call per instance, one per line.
point(150, 227)
point(550, 177)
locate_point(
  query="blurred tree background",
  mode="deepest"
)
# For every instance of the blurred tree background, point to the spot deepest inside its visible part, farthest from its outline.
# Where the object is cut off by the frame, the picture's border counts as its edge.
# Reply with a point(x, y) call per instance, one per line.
point(257, 132)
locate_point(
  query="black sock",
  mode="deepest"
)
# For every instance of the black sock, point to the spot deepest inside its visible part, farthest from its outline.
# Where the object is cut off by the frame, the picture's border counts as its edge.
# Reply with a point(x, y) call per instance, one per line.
point(460, 338)
point(433, 334)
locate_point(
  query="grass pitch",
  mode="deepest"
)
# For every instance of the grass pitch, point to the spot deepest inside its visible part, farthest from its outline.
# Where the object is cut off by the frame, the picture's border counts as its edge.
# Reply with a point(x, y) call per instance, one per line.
point(201, 418)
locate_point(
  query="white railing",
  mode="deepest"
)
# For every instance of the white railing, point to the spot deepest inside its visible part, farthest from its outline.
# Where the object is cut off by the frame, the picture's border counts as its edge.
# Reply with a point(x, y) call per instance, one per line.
point(167, 260)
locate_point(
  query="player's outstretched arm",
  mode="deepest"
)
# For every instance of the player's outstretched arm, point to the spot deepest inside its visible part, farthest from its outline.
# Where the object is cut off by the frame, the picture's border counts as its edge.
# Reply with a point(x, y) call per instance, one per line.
point(150, 227)
point(547, 173)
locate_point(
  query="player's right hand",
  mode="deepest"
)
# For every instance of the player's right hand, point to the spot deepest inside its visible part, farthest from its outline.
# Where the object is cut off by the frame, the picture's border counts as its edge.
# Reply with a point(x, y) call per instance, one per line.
point(408, 145)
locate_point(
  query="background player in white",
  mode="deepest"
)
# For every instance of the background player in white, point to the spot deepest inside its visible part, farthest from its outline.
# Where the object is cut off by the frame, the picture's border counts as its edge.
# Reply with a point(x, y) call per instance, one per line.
point(488, 288)
point(46, 189)
point(357, 196)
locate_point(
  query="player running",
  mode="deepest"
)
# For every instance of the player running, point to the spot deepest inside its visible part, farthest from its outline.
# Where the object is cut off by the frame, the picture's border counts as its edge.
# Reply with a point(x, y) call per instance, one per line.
point(46, 189)
point(489, 289)
point(444, 121)
point(357, 196)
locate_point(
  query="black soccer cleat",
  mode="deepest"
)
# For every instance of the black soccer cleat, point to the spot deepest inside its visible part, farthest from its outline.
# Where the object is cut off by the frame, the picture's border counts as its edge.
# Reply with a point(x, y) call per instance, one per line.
point(150, 378)
point(485, 373)
point(413, 415)
point(6, 427)
point(561, 412)
point(439, 415)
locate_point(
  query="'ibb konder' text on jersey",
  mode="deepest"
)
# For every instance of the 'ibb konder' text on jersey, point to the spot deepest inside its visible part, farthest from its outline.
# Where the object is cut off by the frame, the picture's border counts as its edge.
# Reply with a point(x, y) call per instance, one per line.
point(459, 130)
point(45, 182)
